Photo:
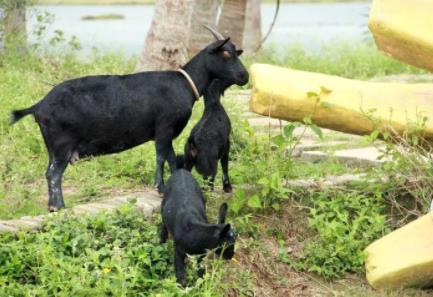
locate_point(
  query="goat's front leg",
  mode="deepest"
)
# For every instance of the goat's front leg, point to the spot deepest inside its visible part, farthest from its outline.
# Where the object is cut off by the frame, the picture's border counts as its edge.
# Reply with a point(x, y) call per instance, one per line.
point(179, 263)
point(227, 187)
point(164, 151)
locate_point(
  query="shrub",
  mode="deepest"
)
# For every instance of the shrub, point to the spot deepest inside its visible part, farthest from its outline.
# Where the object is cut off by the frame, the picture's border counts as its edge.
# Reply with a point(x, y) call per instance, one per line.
point(345, 223)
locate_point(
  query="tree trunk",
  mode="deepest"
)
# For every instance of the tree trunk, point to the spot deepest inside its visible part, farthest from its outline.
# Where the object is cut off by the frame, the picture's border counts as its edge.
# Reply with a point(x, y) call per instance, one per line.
point(232, 21)
point(204, 13)
point(253, 27)
point(13, 27)
point(168, 37)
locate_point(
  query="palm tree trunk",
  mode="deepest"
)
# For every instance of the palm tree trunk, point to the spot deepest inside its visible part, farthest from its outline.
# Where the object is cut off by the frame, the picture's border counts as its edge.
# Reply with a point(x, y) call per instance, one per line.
point(168, 37)
point(232, 20)
point(204, 13)
point(253, 27)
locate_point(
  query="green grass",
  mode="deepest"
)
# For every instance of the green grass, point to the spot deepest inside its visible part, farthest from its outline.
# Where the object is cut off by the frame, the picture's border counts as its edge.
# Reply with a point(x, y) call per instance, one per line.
point(359, 60)
point(110, 254)
point(107, 255)
point(26, 79)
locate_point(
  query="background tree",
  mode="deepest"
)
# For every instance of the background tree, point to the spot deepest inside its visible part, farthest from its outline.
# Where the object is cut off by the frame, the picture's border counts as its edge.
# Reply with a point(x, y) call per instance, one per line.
point(177, 32)
point(232, 20)
point(168, 36)
point(13, 24)
point(204, 13)
point(253, 27)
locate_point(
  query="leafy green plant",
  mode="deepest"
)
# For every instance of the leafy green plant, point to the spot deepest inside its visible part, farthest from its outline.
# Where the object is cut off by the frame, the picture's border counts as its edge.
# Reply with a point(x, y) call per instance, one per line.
point(108, 255)
point(344, 223)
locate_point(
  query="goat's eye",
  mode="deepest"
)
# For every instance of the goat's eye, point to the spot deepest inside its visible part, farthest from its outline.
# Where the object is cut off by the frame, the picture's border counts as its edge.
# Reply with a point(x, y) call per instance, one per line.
point(226, 54)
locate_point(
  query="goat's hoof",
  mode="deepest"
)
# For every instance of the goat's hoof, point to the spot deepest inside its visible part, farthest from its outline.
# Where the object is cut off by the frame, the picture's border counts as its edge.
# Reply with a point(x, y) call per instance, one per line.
point(160, 188)
point(228, 188)
point(53, 208)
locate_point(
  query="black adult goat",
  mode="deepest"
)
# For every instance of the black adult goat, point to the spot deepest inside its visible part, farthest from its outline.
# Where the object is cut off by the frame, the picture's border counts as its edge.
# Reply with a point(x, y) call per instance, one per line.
point(106, 114)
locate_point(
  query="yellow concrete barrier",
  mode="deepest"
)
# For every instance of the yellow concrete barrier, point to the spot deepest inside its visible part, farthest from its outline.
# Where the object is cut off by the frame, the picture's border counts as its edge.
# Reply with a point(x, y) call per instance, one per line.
point(403, 29)
point(403, 258)
point(345, 105)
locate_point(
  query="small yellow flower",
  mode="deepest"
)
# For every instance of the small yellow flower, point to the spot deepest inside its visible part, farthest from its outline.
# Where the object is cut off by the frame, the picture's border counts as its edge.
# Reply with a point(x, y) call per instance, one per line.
point(106, 270)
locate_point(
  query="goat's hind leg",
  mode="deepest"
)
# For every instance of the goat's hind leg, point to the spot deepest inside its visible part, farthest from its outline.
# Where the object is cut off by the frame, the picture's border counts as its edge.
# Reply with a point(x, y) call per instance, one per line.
point(54, 174)
point(179, 263)
point(163, 235)
point(58, 158)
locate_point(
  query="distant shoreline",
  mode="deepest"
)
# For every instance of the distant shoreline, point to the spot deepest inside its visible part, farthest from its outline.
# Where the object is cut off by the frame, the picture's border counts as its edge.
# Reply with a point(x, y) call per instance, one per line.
point(149, 2)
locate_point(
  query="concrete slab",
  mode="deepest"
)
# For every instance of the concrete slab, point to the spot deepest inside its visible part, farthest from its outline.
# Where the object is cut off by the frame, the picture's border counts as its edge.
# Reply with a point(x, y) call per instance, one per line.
point(361, 157)
point(147, 202)
point(327, 182)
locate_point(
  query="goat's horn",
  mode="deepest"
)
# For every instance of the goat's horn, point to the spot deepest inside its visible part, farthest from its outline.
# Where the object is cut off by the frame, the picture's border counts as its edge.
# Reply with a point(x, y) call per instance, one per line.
point(216, 34)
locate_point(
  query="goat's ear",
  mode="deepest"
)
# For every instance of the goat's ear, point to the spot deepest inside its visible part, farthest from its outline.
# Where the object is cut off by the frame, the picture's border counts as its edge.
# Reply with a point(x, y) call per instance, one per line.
point(239, 52)
point(222, 213)
point(219, 44)
point(225, 230)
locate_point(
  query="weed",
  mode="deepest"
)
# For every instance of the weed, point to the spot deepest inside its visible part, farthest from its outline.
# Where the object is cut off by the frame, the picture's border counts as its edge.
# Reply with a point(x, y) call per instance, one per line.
point(108, 255)
point(345, 223)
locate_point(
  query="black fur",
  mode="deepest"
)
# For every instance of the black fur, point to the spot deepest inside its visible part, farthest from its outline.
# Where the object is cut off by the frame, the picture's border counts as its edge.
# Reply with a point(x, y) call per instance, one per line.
point(105, 114)
point(184, 217)
point(209, 140)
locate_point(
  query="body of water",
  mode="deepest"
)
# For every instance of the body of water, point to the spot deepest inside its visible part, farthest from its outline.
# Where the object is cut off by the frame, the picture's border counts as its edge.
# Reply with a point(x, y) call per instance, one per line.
point(310, 25)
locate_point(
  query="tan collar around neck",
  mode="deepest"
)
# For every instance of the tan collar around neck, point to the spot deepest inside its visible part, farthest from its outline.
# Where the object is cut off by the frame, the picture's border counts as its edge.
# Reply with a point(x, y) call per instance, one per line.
point(191, 82)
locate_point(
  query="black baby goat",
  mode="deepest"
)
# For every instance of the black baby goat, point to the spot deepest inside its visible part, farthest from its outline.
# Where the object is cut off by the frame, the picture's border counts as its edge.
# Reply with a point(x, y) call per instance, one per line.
point(106, 114)
point(209, 139)
point(184, 217)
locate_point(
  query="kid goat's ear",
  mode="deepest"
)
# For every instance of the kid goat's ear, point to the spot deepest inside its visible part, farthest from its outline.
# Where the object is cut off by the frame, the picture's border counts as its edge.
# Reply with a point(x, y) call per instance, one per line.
point(239, 52)
point(219, 44)
point(225, 230)
point(222, 213)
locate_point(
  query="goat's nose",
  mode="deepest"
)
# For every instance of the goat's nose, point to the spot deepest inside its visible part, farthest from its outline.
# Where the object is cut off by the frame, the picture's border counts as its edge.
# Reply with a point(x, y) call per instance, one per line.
point(243, 77)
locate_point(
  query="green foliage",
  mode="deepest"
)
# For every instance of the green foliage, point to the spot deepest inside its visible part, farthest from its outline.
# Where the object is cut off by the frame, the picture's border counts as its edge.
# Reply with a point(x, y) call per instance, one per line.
point(119, 255)
point(358, 61)
point(107, 255)
point(344, 223)
point(14, 4)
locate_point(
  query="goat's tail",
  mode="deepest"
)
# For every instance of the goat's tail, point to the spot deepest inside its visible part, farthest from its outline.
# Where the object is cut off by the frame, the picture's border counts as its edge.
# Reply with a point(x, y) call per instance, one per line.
point(17, 115)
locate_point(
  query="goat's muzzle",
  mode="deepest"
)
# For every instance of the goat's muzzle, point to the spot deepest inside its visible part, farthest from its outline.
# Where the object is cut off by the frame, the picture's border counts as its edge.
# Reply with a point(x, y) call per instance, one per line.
point(242, 78)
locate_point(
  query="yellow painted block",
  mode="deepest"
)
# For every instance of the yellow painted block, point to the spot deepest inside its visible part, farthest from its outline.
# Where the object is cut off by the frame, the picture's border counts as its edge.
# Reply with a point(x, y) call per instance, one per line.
point(352, 106)
point(403, 29)
point(403, 258)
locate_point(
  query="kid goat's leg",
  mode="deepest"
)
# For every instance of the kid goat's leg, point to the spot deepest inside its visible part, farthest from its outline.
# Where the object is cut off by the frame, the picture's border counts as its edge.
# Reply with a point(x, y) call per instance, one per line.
point(163, 235)
point(227, 187)
point(179, 263)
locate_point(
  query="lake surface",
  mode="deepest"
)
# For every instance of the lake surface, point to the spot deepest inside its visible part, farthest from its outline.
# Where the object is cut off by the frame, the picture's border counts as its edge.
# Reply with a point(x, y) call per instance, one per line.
point(310, 25)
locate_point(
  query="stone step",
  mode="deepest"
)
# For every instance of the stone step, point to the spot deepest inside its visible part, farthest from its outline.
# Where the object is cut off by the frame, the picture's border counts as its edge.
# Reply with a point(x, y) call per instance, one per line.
point(362, 157)
point(327, 182)
point(310, 145)
point(147, 202)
